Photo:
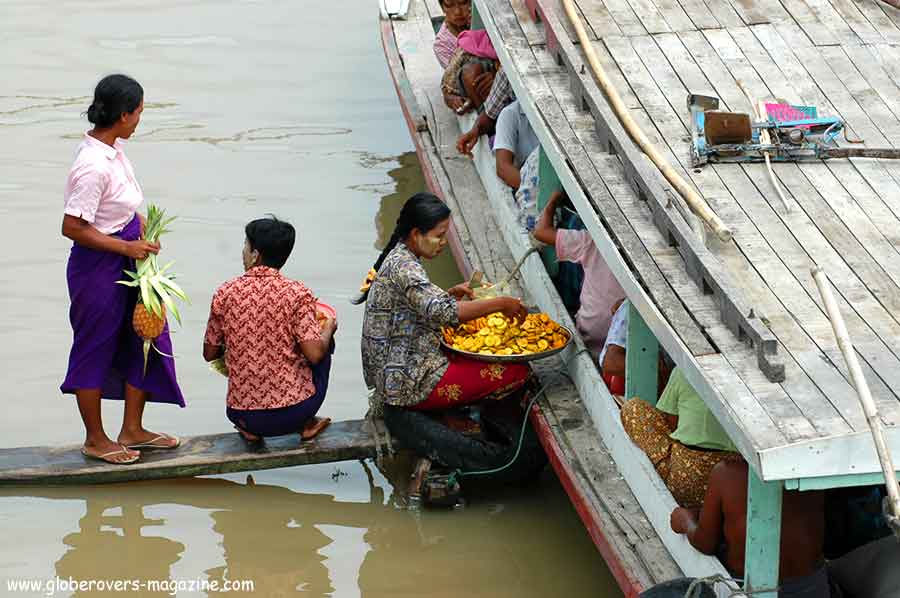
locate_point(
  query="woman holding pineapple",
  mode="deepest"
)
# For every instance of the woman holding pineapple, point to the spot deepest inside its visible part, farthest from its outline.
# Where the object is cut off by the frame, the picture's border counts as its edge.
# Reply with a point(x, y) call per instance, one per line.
point(106, 361)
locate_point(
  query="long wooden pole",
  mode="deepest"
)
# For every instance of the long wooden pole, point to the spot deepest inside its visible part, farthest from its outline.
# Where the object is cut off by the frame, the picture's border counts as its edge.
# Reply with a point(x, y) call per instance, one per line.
point(862, 388)
point(691, 197)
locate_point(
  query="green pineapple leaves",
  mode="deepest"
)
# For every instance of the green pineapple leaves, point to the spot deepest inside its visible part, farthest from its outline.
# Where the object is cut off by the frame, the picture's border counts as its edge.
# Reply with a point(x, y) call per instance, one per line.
point(155, 287)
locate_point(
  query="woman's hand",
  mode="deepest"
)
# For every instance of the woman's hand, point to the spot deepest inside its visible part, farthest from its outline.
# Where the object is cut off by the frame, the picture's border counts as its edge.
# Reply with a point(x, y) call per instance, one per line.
point(513, 309)
point(139, 249)
point(462, 291)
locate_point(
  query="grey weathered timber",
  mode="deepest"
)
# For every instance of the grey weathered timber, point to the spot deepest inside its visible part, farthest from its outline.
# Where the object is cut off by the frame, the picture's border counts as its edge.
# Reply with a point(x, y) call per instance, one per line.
point(842, 213)
point(703, 267)
point(197, 455)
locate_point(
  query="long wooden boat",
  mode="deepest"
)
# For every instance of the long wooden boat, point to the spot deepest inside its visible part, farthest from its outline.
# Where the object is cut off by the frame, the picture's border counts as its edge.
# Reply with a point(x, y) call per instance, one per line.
point(742, 318)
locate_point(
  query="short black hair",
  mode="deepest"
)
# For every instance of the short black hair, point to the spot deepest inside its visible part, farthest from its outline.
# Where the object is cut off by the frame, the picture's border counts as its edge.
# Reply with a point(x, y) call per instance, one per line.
point(272, 238)
point(443, 2)
point(114, 96)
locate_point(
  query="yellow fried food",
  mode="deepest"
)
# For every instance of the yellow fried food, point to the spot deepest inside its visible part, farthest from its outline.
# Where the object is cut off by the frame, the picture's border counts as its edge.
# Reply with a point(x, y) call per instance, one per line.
point(495, 334)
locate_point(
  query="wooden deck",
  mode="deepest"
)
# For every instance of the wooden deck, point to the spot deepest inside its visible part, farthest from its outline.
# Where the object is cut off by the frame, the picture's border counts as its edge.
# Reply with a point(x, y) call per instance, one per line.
point(197, 455)
point(844, 214)
point(611, 514)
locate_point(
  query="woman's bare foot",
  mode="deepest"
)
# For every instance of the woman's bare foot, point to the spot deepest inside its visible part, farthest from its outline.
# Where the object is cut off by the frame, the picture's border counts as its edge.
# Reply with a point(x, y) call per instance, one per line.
point(313, 426)
point(109, 451)
point(147, 440)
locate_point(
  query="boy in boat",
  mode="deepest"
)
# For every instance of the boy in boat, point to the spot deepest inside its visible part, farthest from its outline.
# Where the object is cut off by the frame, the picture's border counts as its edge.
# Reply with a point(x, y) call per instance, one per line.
point(600, 290)
point(682, 438)
point(457, 18)
point(612, 356)
point(720, 529)
point(277, 353)
point(514, 142)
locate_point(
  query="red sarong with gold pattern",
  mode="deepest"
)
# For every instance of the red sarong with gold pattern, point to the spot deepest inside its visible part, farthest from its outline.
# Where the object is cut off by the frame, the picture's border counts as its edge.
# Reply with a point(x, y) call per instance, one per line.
point(468, 380)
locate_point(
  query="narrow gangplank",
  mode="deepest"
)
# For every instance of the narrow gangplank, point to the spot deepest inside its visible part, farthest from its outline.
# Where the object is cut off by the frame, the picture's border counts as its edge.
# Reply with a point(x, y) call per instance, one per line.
point(197, 455)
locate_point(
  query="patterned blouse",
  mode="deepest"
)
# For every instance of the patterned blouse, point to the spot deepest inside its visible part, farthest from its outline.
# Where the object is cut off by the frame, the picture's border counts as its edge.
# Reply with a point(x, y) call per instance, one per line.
point(401, 352)
point(260, 317)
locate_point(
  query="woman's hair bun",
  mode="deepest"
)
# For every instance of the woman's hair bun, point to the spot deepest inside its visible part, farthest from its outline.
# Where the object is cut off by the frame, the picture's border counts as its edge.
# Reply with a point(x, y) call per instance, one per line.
point(95, 112)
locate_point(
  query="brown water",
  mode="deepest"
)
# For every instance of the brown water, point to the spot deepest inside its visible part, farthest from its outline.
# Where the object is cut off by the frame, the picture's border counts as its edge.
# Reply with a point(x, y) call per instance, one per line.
point(252, 107)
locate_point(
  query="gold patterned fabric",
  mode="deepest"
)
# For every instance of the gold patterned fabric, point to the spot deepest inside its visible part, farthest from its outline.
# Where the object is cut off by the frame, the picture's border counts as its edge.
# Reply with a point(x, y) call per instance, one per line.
point(685, 470)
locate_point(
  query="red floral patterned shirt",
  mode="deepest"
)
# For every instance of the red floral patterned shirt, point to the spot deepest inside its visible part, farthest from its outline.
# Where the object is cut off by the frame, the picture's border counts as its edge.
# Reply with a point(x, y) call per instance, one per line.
point(260, 317)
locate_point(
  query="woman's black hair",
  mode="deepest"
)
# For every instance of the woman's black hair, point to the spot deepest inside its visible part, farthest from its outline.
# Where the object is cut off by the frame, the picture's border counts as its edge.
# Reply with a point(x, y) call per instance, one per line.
point(114, 96)
point(422, 211)
point(272, 238)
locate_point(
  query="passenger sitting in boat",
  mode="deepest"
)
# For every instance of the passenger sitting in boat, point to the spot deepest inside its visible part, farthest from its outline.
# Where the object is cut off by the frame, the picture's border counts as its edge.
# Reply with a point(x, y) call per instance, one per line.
point(457, 18)
point(401, 351)
point(469, 75)
point(600, 290)
point(277, 353)
point(721, 528)
point(514, 142)
point(682, 438)
point(500, 96)
point(612, 356)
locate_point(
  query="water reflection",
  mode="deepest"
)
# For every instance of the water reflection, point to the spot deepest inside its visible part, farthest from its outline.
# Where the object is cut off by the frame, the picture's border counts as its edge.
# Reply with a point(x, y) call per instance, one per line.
point(289, 542)
point(409, 180)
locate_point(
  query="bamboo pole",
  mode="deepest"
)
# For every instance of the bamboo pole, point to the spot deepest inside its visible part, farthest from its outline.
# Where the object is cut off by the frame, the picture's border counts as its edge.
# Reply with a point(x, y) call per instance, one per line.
point(862, 390)
point(764, 138)
point(697, 204)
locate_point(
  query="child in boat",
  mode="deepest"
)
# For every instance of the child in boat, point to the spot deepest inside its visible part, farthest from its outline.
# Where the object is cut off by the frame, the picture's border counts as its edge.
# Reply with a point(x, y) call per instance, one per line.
point(457, 18)
point(277, 353)
point(682, 438)
point(721, 529)
point(401, 352)
point(612, 356)
point(600, 290)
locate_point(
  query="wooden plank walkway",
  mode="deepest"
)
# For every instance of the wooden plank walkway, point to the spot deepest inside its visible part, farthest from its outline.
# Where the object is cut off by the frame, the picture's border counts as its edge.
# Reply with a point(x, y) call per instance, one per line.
point(844, 214)
point(197, 455)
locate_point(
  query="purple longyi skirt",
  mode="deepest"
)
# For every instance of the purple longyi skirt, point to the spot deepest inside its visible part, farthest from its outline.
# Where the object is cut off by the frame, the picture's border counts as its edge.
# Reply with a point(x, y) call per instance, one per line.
point(106, 352)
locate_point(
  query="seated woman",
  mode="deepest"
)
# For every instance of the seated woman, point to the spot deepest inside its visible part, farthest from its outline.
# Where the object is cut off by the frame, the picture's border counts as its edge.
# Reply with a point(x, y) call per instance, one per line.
point(682, 438)
point(405, 311)
point(278, 355)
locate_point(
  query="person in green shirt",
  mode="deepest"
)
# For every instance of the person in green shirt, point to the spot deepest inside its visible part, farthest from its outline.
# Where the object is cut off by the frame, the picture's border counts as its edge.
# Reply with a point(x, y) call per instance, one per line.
point(682, 438)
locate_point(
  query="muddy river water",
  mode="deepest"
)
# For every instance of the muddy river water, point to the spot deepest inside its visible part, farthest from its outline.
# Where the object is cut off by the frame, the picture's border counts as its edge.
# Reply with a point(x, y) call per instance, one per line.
point(252, 107)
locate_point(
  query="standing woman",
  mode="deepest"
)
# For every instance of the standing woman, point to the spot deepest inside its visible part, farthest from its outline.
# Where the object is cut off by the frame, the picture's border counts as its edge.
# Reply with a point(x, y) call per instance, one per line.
point(101, 201)
point(405, 311)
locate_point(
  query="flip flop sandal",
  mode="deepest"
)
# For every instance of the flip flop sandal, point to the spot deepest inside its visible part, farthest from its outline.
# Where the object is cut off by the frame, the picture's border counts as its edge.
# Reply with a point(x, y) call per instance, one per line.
point(152, 443)
point(105, 457)
point(320, 425)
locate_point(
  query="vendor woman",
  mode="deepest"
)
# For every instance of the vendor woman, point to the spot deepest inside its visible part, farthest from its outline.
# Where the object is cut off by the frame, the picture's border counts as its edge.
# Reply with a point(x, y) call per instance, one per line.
point(100, 217)
point(401, 353)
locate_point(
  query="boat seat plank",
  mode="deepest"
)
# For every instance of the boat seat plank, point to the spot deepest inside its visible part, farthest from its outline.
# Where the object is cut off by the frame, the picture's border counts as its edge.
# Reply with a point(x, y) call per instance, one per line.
point(818, 32)
point(599, 19)
point(674, 14)
point(832, 19)
point(197, 455)
point(623, 13)
point(534, 32)
point(852, 14)
point(700, 14)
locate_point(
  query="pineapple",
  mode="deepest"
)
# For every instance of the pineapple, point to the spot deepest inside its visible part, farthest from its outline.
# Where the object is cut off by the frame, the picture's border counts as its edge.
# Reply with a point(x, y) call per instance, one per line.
point(156, 288)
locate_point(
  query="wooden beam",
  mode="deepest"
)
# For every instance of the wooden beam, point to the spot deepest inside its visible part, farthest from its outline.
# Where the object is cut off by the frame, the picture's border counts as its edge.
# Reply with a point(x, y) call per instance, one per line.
point(197, 455)
point(641, 359)
point(763, 545)
point(836, 481)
